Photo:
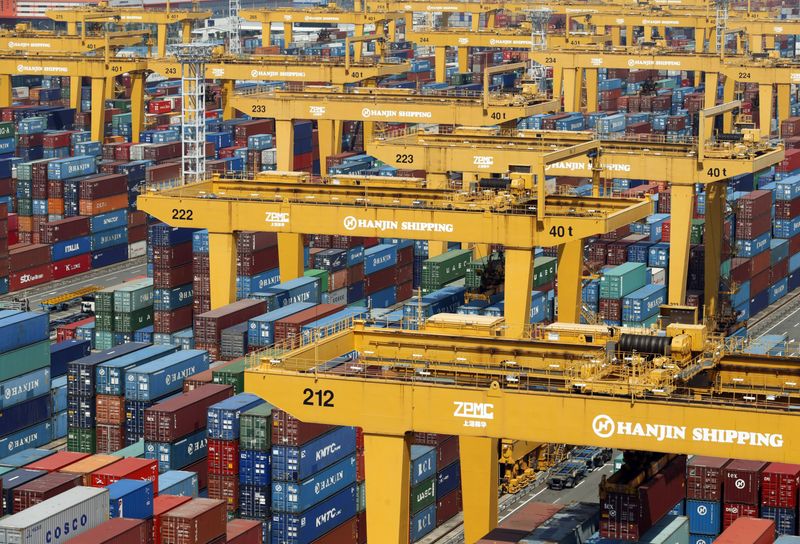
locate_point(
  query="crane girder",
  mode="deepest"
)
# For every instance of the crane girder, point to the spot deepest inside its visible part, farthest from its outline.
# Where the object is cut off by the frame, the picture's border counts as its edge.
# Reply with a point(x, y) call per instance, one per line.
point(318, 15)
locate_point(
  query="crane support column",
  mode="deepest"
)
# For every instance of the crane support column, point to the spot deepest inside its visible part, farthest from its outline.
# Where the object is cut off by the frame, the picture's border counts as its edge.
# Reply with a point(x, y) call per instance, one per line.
point(591, 89)
point(712, 239)
point(784, 102)
point(74, 92)
point(222, 245)
point(387, 465)
point(287, 34)
point(228, 112)
point(137, 105)
point(728, 92)
point(358, 46)
point(284, 134)
point(769, 40)
point(616, 36)
point(712, 79)
point(570, 272)
point(5, 91)
point(572, 89)
point(290, 255)
point(440, 60)
point(463, 58)
point(161, 40)
point(110, 88)
point(98, 107)
point(266, 34)
point(765, 108)
point(391, 29)
point(518, 285)
point(558, 82)
point(682, 206)
point(186, 32)
point(330, 141)
point(756, 43)
point(629, 35)
point(479, 477)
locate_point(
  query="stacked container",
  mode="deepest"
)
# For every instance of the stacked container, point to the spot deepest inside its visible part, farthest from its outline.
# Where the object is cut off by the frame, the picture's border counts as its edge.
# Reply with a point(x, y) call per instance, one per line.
point(443, 269)
point(223, 448)
point(208, 326)
point(339, 263)
point(255, 477)
point(201, 280)
point(256, 262)
point(170, 253)
point(779, 488)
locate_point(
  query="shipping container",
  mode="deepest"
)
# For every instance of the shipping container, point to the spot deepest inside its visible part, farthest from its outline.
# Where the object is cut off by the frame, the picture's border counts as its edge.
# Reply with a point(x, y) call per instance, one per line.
point(116, 531)
point(748, 531)
point(296, 463)
point(779, 485)
point(255, 427)
point(255, 468)
point(131, 499)
point(159, 378)
point(81, 373)
point(223, 417)
point(197, 521)
point(57, 461)
point(89, 464)
point(704, 478)
point(299, 496)
point(57, 519)
point(243, 531)
point(131, 468)
point(179, 454)
point(742, 481)
point(42, 488)
point(24, 457)
point(178, 482)
point(287, 430)
point(303, 528)
point(110, 375)
point(178, 417)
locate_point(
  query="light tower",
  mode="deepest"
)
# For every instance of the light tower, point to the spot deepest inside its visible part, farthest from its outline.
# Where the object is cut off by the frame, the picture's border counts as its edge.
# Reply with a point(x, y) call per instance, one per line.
point(193, 58)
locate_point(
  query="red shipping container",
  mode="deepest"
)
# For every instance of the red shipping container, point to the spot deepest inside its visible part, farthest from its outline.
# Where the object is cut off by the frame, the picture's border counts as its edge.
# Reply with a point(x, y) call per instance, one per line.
point(760, 282)
point(109, 438)
point(30, 277)
point(161, 505)
point(56, 139)
point(65, 229)
point(174, 418)
point(160, 152)
point(404, 291)
point(742, 481)
point(25, 256)
point(732, 511)
point(136, 218)
point(791, 161)
point(250, 241)
point(137, 234)
point(779, 271)
point(103, 205)
point(287, 430)
point(379, 280)
point(110, 409)
point(448, 506)
point(173, 277)
point(704, 478)
point(520, 523)
point(172, 256)
point(245, 531)
point(345, 533)
point(195, 522)
point(787, 209)
point(209, 325)
point(201, 469)
point(223, 457)
point(753, 227)
point(790, 127)
point(754, 204)
point(159, 106)
point(289, 327)
point(43, 488)
point(224, 488)
point(116, 531)
point(131, 468)
point(611, 309)
point(172, 320)
point(643, 127)
point(748, 531)
point(102, 186)
point(57, 461)
point(779, 485)
point(251, 263)
point(72, 266)
point(447, 452)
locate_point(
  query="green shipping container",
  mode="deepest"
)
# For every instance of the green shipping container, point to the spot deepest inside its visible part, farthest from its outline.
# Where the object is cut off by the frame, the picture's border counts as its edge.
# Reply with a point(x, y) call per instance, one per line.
point(133, 321)
point(232, 374)
point(725, 268)
point(445, 268)
point(134, 450)
point(104, 321)
point(544, 270)
point(104, 300)
point(103, 340)
point(256, 428)
point(134, 295)
point(423, 495)
point(698, 229)
point(81, 440)
point(321, 274)
point(622, 280)
point(24, 360)
point(6, 130)
point(25, 206)
point(472, 278)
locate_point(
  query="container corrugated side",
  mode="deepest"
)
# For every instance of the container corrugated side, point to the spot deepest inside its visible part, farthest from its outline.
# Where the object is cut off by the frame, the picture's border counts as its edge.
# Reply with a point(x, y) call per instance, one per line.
point(58, 519)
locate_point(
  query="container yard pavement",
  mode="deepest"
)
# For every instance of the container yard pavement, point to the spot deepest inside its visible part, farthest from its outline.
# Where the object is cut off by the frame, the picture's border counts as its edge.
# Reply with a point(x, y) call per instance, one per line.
point(113, 275)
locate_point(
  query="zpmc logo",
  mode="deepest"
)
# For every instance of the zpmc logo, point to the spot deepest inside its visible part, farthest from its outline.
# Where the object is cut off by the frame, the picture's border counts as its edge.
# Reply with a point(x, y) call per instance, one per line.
point(603, 426)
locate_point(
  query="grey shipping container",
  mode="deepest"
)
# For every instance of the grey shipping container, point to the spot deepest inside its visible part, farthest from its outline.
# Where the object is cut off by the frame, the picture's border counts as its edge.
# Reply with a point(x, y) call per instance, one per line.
point(58, 519)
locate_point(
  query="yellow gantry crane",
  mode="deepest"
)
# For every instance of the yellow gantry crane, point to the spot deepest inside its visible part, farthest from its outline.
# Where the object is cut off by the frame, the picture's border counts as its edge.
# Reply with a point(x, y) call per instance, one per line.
point(683, 164)
point(330, 106)
point(24, 40)
point(459, 375)
point(84, 15)
point(520, 217)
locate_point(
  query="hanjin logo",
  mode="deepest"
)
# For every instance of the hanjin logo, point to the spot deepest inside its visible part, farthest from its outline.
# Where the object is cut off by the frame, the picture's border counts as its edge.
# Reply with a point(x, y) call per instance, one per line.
point(702, 510)
point(366, 112)
point(316, 111)
point(603, 426)
point(350, 222)
point(739, 484)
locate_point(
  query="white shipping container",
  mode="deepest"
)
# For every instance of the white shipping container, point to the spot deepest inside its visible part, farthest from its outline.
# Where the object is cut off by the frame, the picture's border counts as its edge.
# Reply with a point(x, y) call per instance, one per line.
point(658, 276)
point(58, 519)
point(269, 156)
point(20, 92)
point(137, 151)
point(137, 249)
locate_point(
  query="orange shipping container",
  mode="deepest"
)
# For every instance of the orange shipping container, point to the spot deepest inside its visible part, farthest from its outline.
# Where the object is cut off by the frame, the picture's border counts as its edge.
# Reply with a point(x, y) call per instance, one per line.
point(55, 206)
point(86, 466)
point(25, 223)
point(103, 205)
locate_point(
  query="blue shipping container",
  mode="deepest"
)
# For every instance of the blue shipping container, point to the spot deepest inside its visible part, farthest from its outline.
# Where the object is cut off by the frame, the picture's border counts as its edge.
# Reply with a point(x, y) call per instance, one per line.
point(110, 375)
point(109, 238)
point(62, 353)
point(161, 377)
point(178, 482)
point(785, 519)
point(179, 454)
point(316, 521)
point(704, 517)
point(21, 416)
point(423, 463)
point(300, 496)
point(110, 220)
point(751, 248)
point(109, 256)
point(26, 387)
point(23, 329)
point(70, 248)
point(254, 501)
point(254, 468)
point(223, 417)
point(171, 299)
point(131, 499)
point(58, 394)
point(305, 289)
point(448, 479)
point(296, 463)
point(81, 372)
point(423, 523)
point(261, 329)
point(379, 257)
point(25, 457)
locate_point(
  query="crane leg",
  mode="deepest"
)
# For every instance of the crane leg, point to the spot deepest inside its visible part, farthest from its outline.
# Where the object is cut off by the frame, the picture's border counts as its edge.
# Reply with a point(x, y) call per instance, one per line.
point(137, 106)
point(479, 482)
point(463, 58)
point(570, 272)
point(284, 134)
point(228, 111)
point(757, 43)
point(330, 141)
point(518, 281)
point(358, 46)
point(712, 79)
point(222, 248)
point(5, 91)
point(616, 36)
point(290, 255)
point(728, 91)
point(572, 89)
point(75, 92)
point(679, 240)
point(440, 63)
point(765, 108)
point(712, 240)
point(784, 102)
point(558, 82)
point(387, 461)
point(161, 40)
point(591, 89)
point(186, 33)
point(98, 107)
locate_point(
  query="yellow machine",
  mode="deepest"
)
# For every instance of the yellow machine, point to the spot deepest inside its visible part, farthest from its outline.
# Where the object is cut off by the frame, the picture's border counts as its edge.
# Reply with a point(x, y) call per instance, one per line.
point(636, 391)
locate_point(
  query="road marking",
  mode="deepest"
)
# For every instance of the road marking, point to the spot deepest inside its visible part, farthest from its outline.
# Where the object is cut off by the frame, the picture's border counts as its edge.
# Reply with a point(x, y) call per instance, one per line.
point(781, 321)
point(577, 486)
point(558, 499)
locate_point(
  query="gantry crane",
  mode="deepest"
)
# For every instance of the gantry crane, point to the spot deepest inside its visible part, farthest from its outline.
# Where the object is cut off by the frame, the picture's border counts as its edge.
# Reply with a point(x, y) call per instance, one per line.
point(486, 8)
point(683, 164)
point(330, 106)
point(519, 217)
point(24, 40)
point(102, 13)
point(458, 375)
point(325, 15)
